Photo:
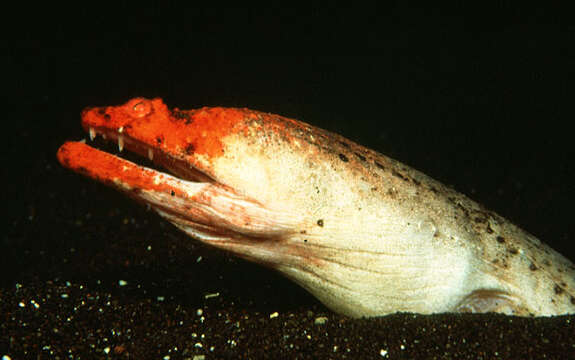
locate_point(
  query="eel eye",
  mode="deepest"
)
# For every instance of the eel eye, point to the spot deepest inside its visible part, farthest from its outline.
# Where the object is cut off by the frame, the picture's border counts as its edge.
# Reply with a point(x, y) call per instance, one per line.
point(141, 108)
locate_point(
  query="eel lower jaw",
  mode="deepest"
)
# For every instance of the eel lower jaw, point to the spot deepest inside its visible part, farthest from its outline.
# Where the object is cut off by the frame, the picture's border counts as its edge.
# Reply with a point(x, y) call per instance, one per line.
point(197, 204)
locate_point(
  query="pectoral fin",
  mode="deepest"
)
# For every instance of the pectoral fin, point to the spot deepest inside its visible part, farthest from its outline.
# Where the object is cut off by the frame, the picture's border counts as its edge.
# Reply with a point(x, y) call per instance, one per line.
point(483, 301)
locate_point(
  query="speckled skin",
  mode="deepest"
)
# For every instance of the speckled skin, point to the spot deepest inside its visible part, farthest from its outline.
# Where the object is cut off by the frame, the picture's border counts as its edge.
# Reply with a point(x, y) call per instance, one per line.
point(364, 233)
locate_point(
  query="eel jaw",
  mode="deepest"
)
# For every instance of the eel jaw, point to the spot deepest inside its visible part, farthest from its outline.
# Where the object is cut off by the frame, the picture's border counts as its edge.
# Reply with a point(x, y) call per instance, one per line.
point(177, 167)
point(193, 201)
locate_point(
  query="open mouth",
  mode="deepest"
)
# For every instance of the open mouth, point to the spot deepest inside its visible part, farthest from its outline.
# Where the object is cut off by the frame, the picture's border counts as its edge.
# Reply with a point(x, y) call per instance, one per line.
point(193, 201)
point(156, 157)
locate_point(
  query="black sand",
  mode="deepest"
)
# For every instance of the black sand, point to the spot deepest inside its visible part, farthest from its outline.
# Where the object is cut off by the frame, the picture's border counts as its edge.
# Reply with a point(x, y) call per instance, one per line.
point(90, 281)
point(86, 273)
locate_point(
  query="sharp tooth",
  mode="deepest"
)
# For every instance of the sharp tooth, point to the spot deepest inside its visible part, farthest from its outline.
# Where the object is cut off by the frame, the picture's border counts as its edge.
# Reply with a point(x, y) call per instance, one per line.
point(92, 133)
point(150, 154)
point(120, 143)
point(120, 129)
point(103, 136)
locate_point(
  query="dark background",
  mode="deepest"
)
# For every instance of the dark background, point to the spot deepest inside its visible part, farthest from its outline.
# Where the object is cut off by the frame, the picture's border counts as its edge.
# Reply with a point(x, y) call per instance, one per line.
point(478, 98)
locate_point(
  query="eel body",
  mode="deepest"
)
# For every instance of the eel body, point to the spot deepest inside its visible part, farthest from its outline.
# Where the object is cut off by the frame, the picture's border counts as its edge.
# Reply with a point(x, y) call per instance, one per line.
point(365, 234)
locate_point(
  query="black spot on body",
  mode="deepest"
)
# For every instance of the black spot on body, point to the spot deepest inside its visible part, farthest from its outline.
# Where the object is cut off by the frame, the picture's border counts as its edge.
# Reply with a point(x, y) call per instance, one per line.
point(572, 300)
point(532, 267)
point(480, 220)
point(173, 193)
point(399, 175)
point(463, 208)
point(159, 140)
point(513, 251)
point(558, 290)
point(320, 222)
point(343, 157)
point(190, 149)
point(489, 229)
point(107, 117)
point(379, 166)
point(416, 182)
point(180, 115)
point(433, 190)
point(359, 156)
point(344, 144)
point(500, 239)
